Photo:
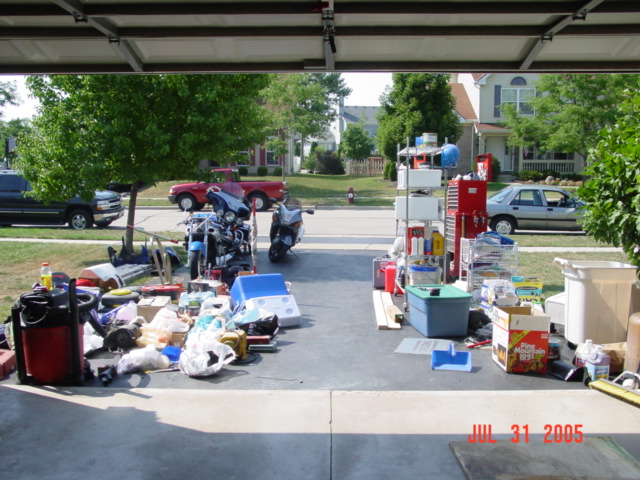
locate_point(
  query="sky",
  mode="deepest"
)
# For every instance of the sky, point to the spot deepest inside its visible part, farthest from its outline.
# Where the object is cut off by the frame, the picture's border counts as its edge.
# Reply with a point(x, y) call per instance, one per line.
point(366, 90)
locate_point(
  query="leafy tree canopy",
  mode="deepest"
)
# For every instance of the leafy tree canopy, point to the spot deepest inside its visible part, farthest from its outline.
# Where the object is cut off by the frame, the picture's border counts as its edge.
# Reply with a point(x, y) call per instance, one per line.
point(304, 103)
point(8, 95)
point(356, 143)
point(612, 192)
point(416, 103)
point(93, 129)
point(570, 110)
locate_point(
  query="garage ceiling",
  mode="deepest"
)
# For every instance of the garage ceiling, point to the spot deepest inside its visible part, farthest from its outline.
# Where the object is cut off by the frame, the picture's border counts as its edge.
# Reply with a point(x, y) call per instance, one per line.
point(125, 36)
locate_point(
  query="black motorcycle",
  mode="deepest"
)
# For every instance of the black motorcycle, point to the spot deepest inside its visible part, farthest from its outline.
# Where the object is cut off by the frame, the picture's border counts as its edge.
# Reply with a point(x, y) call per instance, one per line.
point(286, 227)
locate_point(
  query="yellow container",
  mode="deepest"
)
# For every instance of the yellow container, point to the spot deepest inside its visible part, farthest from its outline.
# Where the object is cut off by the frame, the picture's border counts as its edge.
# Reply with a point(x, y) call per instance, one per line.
point(437, 248)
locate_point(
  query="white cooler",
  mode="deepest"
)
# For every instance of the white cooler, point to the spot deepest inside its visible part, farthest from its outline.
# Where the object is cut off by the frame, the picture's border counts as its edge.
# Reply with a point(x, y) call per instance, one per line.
point(284, 306)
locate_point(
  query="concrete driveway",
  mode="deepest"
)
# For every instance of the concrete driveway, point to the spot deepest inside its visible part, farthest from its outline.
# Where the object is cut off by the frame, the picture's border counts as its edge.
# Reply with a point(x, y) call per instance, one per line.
point(334, 402)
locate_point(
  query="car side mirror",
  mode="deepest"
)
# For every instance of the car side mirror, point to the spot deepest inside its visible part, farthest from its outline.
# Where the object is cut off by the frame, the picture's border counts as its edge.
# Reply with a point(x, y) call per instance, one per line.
point(310, 212)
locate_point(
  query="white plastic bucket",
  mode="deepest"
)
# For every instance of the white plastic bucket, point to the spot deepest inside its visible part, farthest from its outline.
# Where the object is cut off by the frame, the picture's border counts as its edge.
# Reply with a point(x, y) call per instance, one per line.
point(598, 299)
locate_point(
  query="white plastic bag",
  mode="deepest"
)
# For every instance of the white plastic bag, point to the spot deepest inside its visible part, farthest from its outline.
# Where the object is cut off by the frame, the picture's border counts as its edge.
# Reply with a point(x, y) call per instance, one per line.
point(142, 359)
point(128, 312)
point(199, 363)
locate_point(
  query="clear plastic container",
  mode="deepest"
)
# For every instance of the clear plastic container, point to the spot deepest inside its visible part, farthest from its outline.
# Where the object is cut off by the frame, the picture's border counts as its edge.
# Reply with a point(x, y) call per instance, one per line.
point(46, 276)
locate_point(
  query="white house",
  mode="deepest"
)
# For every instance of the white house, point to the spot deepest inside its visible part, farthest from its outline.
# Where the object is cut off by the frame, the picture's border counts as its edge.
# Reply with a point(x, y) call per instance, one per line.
point(478, 100)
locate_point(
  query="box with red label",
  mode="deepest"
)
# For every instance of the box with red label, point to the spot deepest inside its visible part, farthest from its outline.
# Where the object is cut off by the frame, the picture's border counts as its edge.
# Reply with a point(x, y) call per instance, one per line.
point(520, 339)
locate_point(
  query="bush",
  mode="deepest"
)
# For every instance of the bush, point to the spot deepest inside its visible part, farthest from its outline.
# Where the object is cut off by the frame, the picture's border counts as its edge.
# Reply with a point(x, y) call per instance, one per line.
point(262, 171)
point(496, 169)
point(386, 170)
point(329, 163)
point(532, 175)
point(574, 177)
point(243, 171)
point(310, 164)
point(277, 171)
point(393, 172)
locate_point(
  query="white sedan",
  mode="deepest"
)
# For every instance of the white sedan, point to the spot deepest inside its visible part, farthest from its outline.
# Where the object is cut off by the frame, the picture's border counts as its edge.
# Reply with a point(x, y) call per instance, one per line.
point(533, 207)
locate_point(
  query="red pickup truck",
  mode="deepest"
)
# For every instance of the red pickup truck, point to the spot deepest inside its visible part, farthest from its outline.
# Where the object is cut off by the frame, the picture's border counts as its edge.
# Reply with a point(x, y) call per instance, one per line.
point(193, 196)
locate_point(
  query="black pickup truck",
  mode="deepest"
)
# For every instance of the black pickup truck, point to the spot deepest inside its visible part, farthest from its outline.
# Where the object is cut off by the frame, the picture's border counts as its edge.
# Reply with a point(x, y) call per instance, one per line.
point(16, 208)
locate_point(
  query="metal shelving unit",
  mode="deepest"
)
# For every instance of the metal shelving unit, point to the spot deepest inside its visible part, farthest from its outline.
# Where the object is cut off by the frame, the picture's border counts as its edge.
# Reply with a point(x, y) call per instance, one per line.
point(481, 261)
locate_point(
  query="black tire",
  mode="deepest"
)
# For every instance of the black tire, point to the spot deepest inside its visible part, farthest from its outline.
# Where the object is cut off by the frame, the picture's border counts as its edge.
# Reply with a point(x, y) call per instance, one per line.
point(80, 220)
point(262, 201)
point(112, 300)
point(277, 251)
point(187, 202)
point(503, 225)
point(195, 259)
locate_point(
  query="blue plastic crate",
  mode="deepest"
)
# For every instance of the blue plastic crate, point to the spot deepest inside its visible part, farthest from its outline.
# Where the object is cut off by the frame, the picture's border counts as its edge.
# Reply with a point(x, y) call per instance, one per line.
point(442, 315)
point(246, 287)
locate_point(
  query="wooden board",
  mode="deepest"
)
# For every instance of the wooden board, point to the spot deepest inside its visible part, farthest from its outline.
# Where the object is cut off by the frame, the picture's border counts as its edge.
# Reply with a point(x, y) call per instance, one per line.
point(387, 302)
point(379, 311)
point(594, 458)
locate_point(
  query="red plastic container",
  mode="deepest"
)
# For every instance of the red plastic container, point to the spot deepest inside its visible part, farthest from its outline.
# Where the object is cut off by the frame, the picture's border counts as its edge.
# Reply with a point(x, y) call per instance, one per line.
point(172, 291)
point(47, 354)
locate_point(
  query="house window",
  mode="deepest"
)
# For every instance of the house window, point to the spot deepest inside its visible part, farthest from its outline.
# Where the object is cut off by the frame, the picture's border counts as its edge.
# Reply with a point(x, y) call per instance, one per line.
point(244, 158)
point(272, 161)
point(536, 153)
point(519, 98)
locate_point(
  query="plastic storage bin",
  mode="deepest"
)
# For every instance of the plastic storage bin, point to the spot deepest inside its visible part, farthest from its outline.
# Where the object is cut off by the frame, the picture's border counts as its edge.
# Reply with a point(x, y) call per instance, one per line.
point(284, 306)
point(598, 299)
point(253, 286)
point(421, 208)
point(445, 314)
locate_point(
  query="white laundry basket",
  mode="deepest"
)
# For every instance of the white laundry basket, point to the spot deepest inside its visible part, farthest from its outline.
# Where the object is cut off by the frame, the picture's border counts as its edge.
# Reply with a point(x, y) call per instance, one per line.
point(598, 299)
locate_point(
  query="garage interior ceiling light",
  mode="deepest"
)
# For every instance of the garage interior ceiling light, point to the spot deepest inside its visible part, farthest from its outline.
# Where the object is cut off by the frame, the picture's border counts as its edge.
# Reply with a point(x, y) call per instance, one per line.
point(129, 36)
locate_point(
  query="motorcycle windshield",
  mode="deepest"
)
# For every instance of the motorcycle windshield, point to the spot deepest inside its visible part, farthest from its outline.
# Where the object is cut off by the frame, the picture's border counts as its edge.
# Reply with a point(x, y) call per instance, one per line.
point(234, 189)
point(292, 202)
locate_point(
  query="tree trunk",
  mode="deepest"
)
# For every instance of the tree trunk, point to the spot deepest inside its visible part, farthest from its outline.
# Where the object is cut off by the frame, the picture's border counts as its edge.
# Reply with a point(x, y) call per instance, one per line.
point(131, 215)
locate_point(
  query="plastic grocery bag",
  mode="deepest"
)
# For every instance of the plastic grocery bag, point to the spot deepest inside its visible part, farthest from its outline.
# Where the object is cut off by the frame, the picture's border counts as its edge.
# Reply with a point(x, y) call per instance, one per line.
point(147, 358)
point(199, 363)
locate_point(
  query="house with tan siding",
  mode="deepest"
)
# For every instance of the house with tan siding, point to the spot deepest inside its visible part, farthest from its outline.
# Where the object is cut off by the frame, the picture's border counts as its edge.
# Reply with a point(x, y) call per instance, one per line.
point(479, 97)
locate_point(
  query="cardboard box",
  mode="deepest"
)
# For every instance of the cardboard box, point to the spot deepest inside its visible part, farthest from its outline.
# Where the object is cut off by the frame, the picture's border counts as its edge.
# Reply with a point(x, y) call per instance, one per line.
point(149, 306)
point(104, 276)
point(528, 289)
point(176, 339)
point(7, 362)
point(520, 339)
point(214, 286)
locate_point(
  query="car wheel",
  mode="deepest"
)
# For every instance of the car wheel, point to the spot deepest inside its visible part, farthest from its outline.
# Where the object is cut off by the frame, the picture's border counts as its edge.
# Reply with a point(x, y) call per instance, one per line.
point(503, 225)
point(80, 220)
point(262, 202)
point(187, 202)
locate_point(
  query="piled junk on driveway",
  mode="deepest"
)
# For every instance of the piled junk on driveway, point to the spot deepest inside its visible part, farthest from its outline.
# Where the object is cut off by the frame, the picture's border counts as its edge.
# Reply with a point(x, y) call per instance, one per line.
point(226, 313)
point(196, 331)
point(465, 293)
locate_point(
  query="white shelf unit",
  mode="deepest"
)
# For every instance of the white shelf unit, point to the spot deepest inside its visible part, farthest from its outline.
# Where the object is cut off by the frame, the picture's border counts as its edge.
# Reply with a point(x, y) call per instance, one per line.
point(480, 261)
point(423, 209)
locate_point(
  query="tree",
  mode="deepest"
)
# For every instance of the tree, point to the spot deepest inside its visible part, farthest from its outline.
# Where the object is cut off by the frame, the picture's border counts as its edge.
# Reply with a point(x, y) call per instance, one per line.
point(356, 143)
point(8, 94)
point(570, 110)
point(303, 103)
point(612, 192)
point(416, 103)
point(134, 128)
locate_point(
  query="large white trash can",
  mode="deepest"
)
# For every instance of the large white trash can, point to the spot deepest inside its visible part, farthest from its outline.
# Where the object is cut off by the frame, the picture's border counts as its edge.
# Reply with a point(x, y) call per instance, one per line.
point(598, 300)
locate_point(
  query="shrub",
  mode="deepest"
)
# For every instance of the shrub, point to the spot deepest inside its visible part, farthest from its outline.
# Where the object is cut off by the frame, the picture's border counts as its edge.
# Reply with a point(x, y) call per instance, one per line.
point(329, 163)
point(243, 171)
point(574, 177)
point(495, 170)
point(310, 164)
point(262, 171)
point(277, 171)
point(393, 172)
point(532, 175)
point(386, 170)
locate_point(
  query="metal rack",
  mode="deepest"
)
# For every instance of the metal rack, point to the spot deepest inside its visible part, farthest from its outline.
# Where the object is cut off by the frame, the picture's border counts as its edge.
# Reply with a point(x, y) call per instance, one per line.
point(480, 261)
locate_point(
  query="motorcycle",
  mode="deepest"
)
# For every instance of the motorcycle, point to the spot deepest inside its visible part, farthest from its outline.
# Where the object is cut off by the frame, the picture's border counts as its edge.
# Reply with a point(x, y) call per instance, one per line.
point(214, 239)
point(286, 227)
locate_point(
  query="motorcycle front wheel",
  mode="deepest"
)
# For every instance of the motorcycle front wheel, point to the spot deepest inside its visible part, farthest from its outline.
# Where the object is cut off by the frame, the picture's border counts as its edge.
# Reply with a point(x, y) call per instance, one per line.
point(277, 251)
point(196, 264)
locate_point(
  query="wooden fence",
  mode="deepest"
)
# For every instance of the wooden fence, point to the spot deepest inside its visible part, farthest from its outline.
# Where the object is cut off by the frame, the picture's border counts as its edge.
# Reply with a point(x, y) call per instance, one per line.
point(368, 167)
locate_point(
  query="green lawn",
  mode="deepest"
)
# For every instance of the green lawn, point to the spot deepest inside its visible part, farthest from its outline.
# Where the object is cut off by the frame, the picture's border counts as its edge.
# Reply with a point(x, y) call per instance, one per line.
point(311, 189)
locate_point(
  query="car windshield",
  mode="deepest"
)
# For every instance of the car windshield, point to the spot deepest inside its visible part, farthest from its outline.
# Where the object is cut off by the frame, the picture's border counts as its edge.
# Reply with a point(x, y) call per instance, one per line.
point(501, 195)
